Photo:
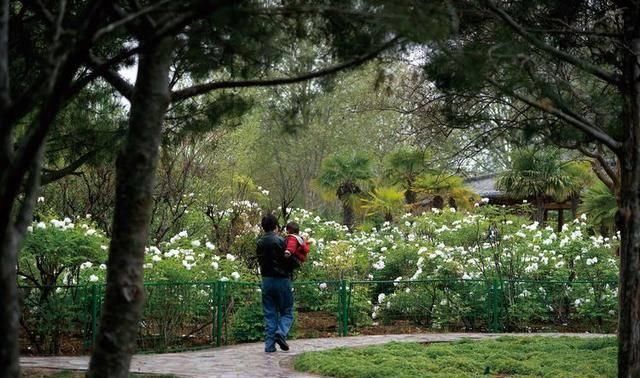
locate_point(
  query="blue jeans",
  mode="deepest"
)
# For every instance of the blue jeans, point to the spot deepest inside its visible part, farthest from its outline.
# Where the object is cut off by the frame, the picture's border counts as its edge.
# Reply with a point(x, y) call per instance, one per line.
point(277, 306)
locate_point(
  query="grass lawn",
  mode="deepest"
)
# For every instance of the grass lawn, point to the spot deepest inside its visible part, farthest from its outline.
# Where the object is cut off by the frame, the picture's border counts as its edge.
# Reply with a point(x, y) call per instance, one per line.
point(503, 357)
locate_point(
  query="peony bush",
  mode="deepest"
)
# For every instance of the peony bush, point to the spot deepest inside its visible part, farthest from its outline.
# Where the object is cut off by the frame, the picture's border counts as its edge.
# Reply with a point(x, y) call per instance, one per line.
point(488, 268)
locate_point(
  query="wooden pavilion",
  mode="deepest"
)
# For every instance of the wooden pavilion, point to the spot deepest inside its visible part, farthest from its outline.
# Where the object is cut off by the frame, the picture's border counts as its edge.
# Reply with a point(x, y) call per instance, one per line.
point(485, 186)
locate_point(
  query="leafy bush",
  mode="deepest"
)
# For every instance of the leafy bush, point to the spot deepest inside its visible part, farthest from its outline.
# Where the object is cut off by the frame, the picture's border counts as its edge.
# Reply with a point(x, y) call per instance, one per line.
point(247, 323)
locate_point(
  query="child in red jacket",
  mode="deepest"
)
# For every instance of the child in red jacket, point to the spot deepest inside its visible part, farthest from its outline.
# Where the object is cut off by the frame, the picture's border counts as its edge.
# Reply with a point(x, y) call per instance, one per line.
point(296, 247)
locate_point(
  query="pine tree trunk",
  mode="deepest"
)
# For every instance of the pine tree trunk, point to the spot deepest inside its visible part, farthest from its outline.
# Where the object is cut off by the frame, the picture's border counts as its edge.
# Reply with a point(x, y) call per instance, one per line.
point(9, 310)
point(628, 220)
point(135, 171)
point(8, 254)
point(628, 217)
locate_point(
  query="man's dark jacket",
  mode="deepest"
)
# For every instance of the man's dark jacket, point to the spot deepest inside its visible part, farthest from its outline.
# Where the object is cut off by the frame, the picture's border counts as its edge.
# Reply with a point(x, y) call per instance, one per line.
point(270, 251)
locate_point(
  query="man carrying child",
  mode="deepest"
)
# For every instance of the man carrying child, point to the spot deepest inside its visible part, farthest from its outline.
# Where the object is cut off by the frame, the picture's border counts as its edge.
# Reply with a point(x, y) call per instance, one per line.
point(277, 296)
point(278, 258)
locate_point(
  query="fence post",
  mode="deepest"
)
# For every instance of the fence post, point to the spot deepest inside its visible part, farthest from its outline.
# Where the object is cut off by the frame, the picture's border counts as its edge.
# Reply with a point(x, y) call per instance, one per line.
point(94, 313)
point(494, 306)
point(343, 309)
point(220, 289)
point(212, 299)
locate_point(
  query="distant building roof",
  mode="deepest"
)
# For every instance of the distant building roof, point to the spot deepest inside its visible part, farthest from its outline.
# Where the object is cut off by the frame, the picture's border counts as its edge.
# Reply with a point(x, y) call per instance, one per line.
point(484, 185)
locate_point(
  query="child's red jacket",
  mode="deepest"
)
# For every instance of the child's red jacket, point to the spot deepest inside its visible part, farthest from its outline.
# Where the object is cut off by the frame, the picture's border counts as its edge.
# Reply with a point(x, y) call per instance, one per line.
point(297, 246)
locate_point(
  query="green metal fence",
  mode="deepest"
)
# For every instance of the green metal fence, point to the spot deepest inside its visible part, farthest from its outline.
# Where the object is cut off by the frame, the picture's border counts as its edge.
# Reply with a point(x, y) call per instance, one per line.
point(191, 315)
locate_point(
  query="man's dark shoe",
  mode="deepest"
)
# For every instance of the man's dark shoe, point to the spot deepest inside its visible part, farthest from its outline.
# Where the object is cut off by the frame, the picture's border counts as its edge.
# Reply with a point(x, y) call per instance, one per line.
point(282, 343)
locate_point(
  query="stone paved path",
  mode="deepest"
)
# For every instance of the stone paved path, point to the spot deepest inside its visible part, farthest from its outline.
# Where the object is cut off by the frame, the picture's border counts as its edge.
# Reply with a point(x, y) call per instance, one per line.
point(249, 360)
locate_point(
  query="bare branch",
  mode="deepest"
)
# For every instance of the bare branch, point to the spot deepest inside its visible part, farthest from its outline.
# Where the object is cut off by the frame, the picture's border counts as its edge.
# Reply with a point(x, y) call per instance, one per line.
point(603, 176)
point(62, 6)
point(602, 74)
point(602, 168)
point(128, 18)
point(204, 88)
point(587, 128)
point(575, 32)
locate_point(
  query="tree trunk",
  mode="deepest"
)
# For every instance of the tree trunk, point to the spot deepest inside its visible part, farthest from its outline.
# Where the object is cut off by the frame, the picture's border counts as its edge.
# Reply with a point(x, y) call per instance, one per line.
point(8, 290)
point(9, 310)
point(538, 215)
point(409, 196)
point(560, 219)
point(348, 214)
point(135, 170)
point(628, 217)
point(574, 206)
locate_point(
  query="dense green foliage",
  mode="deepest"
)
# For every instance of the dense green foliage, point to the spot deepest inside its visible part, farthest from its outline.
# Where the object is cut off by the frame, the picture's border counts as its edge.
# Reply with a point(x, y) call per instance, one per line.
point(600, 203)
point(505, 356)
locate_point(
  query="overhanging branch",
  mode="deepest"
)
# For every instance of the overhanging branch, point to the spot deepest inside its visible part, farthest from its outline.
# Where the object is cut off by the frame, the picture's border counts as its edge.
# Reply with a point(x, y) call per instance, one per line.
point(49, 176)
point(197, 90)
point(111, 76)
point(586, 128)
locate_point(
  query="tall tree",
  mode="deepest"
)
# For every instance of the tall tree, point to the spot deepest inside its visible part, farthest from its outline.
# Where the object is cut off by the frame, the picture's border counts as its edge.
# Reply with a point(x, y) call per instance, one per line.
point(58, 48)
point(572, 69)
point(45, 74)
point(227, 24)
point(135, 169)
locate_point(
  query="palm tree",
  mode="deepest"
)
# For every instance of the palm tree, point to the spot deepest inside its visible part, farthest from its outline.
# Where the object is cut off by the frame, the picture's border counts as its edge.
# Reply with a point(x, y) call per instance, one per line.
point(385, 200)
point(448, 187)
point(541, 173)
point(345, 174)
point(403, 167)
point(600, 204)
